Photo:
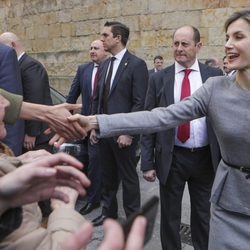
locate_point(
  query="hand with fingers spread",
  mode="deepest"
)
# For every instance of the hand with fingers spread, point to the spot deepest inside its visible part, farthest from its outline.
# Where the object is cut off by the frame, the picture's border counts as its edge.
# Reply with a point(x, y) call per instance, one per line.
point(39, 179)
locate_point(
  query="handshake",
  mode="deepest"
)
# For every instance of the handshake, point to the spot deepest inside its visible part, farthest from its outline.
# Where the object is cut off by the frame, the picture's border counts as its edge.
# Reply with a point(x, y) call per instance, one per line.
point(80, 126)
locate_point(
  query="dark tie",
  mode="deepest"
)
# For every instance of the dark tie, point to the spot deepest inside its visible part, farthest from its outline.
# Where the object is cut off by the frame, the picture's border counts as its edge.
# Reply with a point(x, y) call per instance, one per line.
point(107, 86)
point(184, 130)
point(95, 80)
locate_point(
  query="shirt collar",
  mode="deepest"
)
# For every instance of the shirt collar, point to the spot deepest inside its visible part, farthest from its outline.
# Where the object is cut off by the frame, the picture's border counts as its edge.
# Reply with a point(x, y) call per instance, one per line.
point(120, 55)
point(194, 67)
point(20, 56)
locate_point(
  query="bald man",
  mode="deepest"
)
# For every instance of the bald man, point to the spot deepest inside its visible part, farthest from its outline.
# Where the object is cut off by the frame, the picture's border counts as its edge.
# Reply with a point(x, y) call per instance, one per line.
point(84, 83)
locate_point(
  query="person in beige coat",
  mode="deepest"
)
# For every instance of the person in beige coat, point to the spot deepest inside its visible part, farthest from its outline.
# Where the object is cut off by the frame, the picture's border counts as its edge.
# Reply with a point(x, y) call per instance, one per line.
point(62, 182)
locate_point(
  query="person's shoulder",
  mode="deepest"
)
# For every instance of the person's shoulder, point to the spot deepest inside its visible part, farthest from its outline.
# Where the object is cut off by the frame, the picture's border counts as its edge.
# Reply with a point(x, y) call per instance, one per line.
point(218, 81)
point(134, 57)
point(86, 65)
point(160, 75)
point(6, 51)
point(31, 61)
point(5, 48)
point(211, 70)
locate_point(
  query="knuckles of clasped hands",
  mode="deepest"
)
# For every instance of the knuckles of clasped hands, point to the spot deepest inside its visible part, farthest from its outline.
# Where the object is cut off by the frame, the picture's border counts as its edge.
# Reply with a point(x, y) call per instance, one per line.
point(79, 123)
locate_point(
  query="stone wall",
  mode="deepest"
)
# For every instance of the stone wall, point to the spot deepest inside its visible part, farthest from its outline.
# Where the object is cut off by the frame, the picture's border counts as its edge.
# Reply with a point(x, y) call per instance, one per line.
point(59, 32)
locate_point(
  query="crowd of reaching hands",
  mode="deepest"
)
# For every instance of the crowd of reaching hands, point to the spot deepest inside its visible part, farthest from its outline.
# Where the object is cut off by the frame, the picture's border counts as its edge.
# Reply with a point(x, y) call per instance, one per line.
point(40, 176)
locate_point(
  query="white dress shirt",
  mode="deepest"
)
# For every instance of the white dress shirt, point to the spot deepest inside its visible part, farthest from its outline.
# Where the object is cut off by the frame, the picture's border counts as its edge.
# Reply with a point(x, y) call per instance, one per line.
point(198, 128)
point(116, 64)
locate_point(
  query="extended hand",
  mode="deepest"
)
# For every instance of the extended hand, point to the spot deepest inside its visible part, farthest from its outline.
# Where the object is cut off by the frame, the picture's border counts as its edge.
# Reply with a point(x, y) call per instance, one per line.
point(56, 118)
point(33, 155)
point(86, 123)
point(39, 179)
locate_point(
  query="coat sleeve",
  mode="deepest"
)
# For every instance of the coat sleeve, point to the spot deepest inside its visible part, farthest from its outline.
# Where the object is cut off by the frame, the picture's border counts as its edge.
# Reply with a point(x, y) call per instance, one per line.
point(12, 112)
point(148, 141)
point(30, 235)
point(35, 81)
point(158, 119)
point(75, 89)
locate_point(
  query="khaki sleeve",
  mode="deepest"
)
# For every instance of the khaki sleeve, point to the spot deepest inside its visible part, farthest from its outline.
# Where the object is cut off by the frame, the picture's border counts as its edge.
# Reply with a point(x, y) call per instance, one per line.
point(12, 112)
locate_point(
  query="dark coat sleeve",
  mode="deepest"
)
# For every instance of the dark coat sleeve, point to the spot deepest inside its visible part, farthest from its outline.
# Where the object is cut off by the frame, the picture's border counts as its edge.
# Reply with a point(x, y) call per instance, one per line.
point(35, 90)
point(75, 89)
point(148, 141)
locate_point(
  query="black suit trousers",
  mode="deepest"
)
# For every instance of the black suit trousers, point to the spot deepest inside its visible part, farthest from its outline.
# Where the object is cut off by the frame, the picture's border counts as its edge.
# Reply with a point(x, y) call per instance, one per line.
point(196, 169)
point(119, 165)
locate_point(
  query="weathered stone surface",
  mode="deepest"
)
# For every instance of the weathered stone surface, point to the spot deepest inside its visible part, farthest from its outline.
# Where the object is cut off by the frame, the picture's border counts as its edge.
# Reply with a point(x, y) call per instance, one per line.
point(173, 20)
point(59, 32)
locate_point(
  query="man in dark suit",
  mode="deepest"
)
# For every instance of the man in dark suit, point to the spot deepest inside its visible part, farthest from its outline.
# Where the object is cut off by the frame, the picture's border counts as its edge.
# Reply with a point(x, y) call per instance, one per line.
point(10, 80)
point(158, 65)
point(36, 89)
point(84, 84)
point(177, 159)
point(121, 88)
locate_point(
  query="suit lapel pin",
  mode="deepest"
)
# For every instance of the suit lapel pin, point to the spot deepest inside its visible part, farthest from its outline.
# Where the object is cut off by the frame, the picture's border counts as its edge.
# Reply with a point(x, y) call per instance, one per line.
point(125, 64)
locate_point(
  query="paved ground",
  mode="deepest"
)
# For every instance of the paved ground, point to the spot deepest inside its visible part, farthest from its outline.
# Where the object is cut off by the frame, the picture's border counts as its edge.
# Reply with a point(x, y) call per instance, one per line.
point(147, 190)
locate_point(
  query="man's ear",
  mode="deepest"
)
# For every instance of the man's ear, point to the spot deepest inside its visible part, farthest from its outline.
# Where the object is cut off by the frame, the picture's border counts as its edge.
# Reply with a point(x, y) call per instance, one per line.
point(198, 46)
point(13, 45)
point(119, 38)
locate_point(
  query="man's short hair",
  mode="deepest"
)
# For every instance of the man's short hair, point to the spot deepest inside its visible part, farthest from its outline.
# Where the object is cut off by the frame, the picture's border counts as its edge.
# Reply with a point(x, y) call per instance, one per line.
point(158, 57)
point(118, 28)
point(196, 36)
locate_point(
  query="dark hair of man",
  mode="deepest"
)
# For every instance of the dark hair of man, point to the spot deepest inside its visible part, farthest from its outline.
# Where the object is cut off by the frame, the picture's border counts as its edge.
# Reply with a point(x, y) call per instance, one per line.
point(210, 61)
point(196, 36)
point(242, 14)
point(158, 57)
point(118, 28)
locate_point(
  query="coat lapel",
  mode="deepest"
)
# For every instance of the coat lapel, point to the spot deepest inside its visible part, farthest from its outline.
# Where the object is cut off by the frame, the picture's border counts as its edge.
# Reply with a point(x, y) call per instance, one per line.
point(22, 59)
point(88, 79)
point(204, 73)
point(168, 81)
point(122, 66)
point(103, 67)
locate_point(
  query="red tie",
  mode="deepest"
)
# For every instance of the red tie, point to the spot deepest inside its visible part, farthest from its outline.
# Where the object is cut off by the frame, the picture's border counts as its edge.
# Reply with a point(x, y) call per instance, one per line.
point(184, 130)
point(95, 80)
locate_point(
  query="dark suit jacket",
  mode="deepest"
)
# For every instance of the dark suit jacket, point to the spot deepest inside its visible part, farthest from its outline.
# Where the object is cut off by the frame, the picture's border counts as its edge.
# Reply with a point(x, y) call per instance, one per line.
point(128, 90)
point(82, 85)
point(151, 72)
point(10, 80)
point(35, 90)
point(156, 149)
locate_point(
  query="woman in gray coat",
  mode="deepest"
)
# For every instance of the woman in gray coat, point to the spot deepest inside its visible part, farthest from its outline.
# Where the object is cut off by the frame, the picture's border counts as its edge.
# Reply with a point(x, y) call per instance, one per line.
point(226, 102)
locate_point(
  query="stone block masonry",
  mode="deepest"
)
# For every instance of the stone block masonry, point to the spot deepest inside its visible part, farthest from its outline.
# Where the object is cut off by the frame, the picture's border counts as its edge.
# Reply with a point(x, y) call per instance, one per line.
point(58, 32)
